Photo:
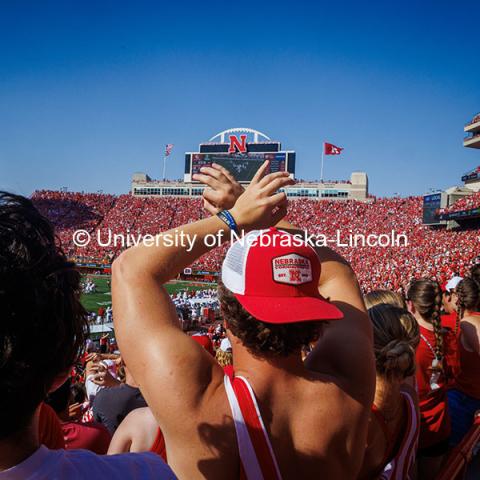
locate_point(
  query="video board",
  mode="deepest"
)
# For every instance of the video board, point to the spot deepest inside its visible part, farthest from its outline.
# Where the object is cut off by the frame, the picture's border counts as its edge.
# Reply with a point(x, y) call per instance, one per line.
point(431, 207)
point(242, 166)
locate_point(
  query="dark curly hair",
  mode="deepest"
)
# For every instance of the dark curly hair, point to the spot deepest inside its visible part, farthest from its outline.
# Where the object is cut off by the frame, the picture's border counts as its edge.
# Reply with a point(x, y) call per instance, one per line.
point(262, 338)
point(43, 326)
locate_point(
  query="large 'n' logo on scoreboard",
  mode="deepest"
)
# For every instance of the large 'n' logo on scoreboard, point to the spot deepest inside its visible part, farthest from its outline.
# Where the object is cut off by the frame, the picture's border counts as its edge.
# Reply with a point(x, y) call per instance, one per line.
point(238, 145)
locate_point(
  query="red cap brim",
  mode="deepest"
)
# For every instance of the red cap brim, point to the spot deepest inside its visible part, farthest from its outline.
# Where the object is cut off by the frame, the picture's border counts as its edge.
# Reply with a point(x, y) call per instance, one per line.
point(289, 309)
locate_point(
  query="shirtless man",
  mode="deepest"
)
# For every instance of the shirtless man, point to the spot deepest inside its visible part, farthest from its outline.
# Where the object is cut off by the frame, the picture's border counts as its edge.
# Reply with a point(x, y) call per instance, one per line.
point(315, 415)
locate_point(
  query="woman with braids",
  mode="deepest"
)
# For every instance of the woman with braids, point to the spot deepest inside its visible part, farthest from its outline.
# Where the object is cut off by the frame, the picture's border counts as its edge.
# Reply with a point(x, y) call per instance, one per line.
point(424, 300)
point(450, 324)
point(464, 398)
point(395, 422)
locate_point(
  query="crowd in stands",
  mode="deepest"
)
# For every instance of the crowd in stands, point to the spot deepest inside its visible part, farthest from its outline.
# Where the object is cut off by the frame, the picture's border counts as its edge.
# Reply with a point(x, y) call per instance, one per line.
point(464, 203)
point(409, 407)
point(431, 253)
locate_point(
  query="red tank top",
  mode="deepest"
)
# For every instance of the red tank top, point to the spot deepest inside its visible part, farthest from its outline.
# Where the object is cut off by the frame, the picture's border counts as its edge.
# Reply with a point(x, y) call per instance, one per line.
point(158, 446)
point(257, 459)
point(451, 340)
point(434, 418)
point(402, 444)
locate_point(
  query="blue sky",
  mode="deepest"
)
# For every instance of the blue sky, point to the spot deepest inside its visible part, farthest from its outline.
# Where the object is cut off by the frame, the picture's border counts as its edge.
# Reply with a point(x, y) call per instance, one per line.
point(90, 92)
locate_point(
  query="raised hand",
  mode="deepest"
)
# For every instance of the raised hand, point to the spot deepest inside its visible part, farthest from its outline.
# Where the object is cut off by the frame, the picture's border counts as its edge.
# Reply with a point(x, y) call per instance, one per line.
point(104, 378)
point(259, 206)
point(222, 189)
point(75, 411)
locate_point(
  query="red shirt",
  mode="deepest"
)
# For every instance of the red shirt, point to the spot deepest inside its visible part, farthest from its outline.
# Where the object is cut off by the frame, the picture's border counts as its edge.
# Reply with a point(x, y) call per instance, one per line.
point(158, 446)
point(434, 418)
point(450, 345)
point(49, 428)
point(205, 342)
point(88, 436)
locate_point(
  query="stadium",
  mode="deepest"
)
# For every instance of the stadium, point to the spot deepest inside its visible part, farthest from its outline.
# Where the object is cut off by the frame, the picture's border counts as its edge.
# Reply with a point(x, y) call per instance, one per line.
point(239, 241)
point(438, 227)
point(438, 232)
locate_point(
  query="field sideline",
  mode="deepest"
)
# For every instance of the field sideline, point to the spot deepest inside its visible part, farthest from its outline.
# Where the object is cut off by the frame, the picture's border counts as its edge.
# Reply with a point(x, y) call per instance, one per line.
point(103, 297)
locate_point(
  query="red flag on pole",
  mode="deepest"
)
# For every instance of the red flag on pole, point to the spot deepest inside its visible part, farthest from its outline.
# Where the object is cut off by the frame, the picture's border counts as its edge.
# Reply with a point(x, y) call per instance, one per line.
point(330, 149)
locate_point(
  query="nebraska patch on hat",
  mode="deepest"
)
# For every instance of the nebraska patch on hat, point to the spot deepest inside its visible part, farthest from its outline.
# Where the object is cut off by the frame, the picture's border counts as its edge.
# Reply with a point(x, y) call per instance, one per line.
point(292, 269)
point(276, 279)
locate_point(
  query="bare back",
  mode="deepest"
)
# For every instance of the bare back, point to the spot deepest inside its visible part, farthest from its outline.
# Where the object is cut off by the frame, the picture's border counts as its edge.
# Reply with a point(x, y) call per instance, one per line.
point(297, 413)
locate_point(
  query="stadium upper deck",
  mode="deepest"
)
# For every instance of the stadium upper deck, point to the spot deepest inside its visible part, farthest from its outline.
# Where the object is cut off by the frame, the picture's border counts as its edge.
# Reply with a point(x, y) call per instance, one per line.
point(354, 189)
point(241, 151)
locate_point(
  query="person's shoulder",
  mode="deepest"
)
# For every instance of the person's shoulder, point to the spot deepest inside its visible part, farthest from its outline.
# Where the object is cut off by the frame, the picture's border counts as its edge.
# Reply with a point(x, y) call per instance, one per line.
point(471, 319)
point(100, 395)
point(47, 464)
point(142, 414)
point(332, 389)
point(94, 427)
point(122, 466)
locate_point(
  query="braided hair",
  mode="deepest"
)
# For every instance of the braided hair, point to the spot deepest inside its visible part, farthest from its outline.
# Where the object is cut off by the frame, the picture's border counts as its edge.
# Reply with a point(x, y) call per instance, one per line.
point(468, 294)
point(395, 339)
point(426, 295)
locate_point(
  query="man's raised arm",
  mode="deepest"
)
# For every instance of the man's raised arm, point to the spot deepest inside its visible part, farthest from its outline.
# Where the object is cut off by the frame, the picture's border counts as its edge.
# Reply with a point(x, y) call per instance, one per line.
point(170, 368)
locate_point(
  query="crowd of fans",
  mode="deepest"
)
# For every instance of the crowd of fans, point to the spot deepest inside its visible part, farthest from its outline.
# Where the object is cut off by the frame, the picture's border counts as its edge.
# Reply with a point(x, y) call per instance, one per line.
point(429, 252)
point(464, 203)
point(423, 308)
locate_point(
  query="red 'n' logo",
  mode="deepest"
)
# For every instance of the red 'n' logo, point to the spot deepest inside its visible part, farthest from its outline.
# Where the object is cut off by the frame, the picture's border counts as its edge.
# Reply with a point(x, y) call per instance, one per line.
point(294, 275)
point(236, 145)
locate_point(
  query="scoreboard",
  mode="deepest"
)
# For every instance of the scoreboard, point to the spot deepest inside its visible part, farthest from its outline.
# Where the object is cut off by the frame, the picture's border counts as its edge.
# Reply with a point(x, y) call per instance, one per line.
point(242, 166)
point(241, 152)
point(431, 206)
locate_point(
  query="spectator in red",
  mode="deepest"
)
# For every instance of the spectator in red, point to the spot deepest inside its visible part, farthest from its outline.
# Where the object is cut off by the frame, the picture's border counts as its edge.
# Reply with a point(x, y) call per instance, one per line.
point(464, 398)
point(451, 325)
point(49, 428)
point(104, 343)
point(424, 299)
point(89, 436)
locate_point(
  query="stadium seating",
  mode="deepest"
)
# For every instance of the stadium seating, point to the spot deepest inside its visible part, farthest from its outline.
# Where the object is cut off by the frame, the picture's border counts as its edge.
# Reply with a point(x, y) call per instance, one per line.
point(465, 203)
point(430, 252)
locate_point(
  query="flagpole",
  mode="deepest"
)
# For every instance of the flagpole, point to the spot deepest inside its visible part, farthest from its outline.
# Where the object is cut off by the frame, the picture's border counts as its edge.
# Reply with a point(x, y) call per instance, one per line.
point(164, 166)
point(321, 169)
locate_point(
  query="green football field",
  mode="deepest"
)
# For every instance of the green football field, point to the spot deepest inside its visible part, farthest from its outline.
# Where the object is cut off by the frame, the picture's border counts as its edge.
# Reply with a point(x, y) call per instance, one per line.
point(102, 297)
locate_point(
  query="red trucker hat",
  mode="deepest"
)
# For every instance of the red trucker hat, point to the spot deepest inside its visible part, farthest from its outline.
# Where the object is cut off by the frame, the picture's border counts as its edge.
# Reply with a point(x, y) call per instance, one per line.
point(274, 275)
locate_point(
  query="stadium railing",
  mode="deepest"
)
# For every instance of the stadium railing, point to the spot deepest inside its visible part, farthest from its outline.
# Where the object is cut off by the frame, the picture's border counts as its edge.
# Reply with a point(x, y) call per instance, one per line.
point(457, 462)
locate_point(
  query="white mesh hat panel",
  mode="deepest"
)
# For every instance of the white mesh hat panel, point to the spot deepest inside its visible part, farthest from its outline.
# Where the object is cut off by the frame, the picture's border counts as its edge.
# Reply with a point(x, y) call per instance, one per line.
point(233, 267)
